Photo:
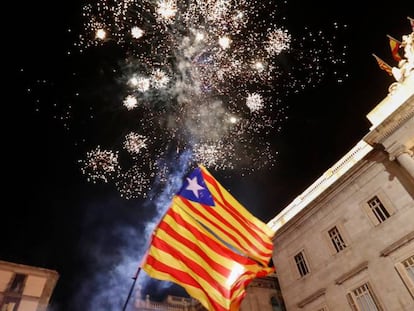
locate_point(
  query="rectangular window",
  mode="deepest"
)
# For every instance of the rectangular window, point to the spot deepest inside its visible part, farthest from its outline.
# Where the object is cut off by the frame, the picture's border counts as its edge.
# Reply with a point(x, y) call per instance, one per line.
point(378, 209)
point(337, 240)
point(301, 264)
point(10, 304)
point(363, 299)
point(409, 267)
point(405, 269)
point(17, 283)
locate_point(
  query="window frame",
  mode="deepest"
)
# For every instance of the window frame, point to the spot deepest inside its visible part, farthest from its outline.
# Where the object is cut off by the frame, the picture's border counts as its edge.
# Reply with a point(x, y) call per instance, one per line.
point(353, 301)
point(306, 262)
point(10, 301)
point(402, 272)
point(386, 203)
point(343, 233)
point(17, 283)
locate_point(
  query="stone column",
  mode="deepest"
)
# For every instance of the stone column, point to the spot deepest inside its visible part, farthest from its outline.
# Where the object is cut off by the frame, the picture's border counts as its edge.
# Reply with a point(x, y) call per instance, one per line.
point(405, 158)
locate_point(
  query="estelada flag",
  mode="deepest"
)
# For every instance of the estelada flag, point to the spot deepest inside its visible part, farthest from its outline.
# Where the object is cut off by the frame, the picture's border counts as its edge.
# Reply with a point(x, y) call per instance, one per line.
point(208, 243)
point(395, 47)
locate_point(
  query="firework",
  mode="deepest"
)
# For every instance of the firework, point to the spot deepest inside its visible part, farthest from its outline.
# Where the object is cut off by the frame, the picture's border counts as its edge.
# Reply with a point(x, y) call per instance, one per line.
point(254, 102)
point(130, 102)
point(134, 143)
point(202, 76)
point(100, 165)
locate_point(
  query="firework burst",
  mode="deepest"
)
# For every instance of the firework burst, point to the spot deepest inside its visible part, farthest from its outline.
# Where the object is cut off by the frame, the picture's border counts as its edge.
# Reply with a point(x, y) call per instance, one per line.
point(201, 76)
point(100, 165)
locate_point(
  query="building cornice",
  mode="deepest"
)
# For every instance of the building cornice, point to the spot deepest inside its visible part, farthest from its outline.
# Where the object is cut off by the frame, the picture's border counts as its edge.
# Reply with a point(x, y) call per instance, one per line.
point(311, 297)
point(36, 271)
point(346, 276)
point(386, 118)
point(391, 124)
point(331, 176)
point(390, 106)
point(397, 244)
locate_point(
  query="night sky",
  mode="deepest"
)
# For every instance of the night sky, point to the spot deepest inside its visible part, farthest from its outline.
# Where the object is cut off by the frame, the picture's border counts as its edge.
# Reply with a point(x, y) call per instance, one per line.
point(52, 217)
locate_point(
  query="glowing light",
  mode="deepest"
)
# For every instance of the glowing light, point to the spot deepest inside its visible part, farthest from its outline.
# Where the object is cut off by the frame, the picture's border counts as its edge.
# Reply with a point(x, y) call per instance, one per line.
point(100, 34)
point(259, 66)
point(167, 9)
point(133, 81)
point(137, 32)
point(130, 102)
point(254, 102)
point(224, 42)
point(159, 79)
point(199, 37)
point(142, 84)
point(233, 120)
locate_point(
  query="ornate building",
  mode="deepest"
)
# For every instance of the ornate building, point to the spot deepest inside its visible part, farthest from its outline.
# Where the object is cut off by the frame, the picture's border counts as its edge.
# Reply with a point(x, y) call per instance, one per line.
point(171, 303)
point(25, 288)
point(347, 242)
point(262, 294)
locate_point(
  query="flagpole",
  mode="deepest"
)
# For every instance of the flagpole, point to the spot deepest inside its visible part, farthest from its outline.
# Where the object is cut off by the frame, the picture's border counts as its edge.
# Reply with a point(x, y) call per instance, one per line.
point(135, 277)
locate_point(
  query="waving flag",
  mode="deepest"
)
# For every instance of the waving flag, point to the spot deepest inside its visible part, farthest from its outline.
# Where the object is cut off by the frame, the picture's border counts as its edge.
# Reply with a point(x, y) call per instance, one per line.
point(395, 47)
point(411, 22)
point(383, 65)
point(208, 243)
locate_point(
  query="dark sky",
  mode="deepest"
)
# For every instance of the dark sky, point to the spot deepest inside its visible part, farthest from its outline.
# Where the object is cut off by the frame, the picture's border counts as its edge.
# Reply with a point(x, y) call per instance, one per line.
point(53, 218)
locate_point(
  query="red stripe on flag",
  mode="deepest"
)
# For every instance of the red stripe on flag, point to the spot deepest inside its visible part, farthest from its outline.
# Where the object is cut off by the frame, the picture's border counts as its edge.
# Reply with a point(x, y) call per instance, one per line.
point(216, 246)
point(243, 220)
point(247, 224)
point(190, 265)
point(235, 240)
point(182, 278)
point(196, 248)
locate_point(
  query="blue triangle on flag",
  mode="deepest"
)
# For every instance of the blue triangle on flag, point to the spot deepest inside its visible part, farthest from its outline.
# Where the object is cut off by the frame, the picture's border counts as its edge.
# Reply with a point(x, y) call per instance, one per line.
point(195, 189)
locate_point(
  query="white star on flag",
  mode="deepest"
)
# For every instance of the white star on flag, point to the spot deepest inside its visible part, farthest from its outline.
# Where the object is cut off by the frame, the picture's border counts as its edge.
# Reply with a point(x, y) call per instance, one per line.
point(193, 186)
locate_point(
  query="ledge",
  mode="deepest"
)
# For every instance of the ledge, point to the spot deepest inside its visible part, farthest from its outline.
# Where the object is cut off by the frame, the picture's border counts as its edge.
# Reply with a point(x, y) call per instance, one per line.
point(397, 244)
point(311, 298)
point(351, 273)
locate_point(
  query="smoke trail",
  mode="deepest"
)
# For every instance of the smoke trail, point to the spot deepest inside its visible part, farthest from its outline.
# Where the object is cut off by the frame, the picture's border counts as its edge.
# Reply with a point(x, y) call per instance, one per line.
point(114, 240)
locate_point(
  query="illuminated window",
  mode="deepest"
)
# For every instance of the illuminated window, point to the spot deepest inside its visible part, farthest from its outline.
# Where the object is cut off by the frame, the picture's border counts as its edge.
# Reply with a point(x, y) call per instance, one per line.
point(362, 298)
point(406, 271)
point(301, 264)
point(337, 240)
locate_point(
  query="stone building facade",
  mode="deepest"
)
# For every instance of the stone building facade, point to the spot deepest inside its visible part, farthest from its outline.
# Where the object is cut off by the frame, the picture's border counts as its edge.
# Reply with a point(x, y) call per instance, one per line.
point(25, 288)
point(347, 242)
point(262, 294)
point(171, 303)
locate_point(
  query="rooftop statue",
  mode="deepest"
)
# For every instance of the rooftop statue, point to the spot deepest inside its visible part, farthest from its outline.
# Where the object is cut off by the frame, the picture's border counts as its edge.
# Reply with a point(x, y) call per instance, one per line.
point(406, 65)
